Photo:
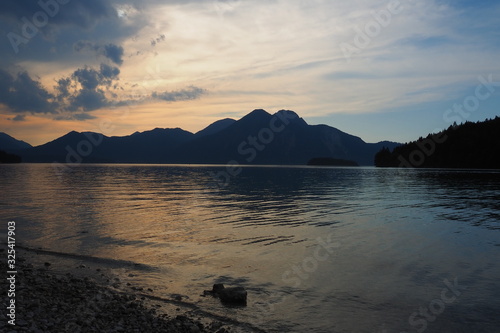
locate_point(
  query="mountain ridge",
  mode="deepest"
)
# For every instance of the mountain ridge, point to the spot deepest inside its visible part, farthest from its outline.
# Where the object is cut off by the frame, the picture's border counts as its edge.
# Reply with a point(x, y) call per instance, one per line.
point(257, 138)
point(215, 127)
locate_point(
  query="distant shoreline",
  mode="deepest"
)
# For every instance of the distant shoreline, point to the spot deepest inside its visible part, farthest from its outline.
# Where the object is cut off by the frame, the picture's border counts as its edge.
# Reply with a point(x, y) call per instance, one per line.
point(291, 166)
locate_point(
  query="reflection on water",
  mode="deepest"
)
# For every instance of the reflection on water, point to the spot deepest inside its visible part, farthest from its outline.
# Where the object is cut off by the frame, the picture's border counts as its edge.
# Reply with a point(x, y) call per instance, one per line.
point(320, 249)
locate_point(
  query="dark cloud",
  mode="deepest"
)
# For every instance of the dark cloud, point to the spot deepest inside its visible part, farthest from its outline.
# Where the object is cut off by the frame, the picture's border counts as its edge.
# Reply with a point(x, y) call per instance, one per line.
point(88, 77)
point(110, 51)
point(86, 88)
point(48, 32)
point(88, 100)
point(19, 117)
point(109, 72)
point(27, 23)
point(21, 93)
point(114, 53)
point(64, 31)
point(63, 86)
point(189, 93)
point(81, 13)
point(63, 23)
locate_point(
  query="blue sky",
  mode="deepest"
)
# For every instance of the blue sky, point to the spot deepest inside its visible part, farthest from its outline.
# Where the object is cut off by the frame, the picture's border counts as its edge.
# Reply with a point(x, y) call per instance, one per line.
point(381, 70)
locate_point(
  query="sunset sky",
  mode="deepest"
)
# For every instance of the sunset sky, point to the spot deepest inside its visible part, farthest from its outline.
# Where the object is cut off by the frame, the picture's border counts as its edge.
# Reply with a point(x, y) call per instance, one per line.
point(381, 70)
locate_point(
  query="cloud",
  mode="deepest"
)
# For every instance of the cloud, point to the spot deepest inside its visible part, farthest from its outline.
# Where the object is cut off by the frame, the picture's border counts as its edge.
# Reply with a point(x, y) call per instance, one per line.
point(21, 93)
point(110, 51)
point(47, 32)
point(109, 72)
point(187, 94)
point(83, 116)
point(280, 54)
point(75, 116)
point(88, 100)
point(19, 117)
point(157, 40)
point(87, 77)
point(114, 53)
point(81, 13)
point(87, 88)
point(63, 86)
point(90, 78)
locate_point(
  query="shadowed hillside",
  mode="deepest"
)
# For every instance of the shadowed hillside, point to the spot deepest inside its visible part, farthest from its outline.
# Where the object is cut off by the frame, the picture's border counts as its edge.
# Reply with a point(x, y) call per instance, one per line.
point(9, 158)
point(9, 144)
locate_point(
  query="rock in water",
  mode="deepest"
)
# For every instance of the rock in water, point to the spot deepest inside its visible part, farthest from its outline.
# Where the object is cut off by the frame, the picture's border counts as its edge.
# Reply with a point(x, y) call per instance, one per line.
point(236, 295)
point(232, 296)
point(218, 287)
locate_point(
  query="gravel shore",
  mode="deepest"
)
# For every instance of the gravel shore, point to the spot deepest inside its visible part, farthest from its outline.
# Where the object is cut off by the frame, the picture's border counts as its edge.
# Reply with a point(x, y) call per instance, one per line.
point(46, 301)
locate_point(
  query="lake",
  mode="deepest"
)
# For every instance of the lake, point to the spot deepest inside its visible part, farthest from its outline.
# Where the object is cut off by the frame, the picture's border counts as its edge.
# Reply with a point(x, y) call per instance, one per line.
point(318, 249)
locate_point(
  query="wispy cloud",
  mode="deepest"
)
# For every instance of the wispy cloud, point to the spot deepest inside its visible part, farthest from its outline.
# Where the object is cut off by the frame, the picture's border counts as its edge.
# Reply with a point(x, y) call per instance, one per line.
point(19, 117)
point(187, 94)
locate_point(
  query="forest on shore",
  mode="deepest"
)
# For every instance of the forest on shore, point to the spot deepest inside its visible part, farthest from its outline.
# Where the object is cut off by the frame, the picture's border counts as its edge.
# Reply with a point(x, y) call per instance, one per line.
point(468, 145)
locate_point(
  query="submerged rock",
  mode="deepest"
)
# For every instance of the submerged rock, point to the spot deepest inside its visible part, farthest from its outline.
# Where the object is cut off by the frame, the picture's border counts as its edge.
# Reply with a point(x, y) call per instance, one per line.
point(232, 296)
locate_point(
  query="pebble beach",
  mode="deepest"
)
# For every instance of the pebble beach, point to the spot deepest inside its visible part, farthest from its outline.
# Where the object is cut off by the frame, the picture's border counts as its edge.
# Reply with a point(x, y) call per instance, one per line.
point(48, 300)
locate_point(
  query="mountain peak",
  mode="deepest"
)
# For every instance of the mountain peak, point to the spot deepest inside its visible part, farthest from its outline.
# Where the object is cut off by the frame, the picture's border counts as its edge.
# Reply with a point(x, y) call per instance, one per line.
point(290, 116)
point(288, 113)
point(256, 115)
point(258, 112)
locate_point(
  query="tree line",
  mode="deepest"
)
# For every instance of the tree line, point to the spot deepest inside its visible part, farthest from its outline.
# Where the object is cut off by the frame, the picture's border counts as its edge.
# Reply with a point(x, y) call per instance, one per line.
point(468, 145)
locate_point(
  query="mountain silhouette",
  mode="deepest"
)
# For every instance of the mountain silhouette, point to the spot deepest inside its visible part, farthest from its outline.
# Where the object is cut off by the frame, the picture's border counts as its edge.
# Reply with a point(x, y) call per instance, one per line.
point(216, 127)
point(8, 143)
point(90, 147)
point(257, 138)
point(282, 138)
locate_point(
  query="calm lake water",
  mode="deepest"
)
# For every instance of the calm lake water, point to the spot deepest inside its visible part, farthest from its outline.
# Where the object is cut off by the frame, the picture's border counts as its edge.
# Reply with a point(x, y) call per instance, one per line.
point(319, 249)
